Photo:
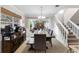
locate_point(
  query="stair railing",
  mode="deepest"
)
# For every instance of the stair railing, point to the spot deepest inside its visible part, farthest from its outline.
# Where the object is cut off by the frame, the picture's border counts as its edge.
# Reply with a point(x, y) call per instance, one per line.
point(63, 32)
point(74, 28)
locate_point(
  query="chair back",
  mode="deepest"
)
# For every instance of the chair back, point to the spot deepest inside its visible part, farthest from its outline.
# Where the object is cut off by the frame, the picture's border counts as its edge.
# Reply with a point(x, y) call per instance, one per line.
point(40, 42)
point(51, 32)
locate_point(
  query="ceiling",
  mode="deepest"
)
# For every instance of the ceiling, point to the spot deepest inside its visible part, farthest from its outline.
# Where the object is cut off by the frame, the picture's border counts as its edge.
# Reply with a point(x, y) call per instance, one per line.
point(35, 10)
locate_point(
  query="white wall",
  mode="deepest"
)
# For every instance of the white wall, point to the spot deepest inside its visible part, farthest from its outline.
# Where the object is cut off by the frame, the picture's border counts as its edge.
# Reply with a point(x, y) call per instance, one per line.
point(69, 12)
point(60, 15)
point(75, 18)
point(66, 14)
point(52, 21)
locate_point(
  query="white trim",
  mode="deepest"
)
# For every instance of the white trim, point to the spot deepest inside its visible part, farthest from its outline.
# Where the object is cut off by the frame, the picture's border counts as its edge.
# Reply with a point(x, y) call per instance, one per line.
point(61, 33)
point(72, 29)
point(62, 25)
point(74, 24)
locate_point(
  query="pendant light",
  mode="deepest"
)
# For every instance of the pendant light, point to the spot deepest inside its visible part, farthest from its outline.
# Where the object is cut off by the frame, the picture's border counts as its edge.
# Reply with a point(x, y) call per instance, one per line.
point(41, 16)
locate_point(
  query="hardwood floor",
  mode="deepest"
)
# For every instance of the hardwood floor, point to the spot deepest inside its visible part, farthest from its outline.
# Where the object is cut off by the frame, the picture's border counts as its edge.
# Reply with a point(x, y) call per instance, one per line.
point(57, 48)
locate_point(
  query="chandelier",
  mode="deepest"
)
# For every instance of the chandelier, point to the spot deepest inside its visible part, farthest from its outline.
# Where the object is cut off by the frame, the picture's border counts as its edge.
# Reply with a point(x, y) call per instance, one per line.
point(41, 16)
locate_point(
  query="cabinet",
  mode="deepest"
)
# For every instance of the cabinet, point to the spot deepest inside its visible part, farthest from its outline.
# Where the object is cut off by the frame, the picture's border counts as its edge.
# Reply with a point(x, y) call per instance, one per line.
point(9, 44)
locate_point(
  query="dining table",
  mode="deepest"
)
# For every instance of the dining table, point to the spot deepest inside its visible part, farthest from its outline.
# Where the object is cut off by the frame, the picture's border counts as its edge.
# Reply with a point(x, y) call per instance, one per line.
point(30, 37)
point(31, 40)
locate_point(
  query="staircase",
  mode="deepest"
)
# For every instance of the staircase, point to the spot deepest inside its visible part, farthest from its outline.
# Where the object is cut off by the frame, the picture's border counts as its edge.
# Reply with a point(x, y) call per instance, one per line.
point(66, 34)
point(72, 40)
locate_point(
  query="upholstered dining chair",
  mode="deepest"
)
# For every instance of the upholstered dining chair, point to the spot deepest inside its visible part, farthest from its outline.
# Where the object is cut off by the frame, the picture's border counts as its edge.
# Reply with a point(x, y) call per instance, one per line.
point(40, 42)
point(50, 38)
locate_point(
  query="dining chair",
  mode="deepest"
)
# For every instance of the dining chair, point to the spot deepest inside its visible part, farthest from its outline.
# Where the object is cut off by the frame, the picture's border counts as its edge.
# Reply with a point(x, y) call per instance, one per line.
point(50, 38)
point(40, 42)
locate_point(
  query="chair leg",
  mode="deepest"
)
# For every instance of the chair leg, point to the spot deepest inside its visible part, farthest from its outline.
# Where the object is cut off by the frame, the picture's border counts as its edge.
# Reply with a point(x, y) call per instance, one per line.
point(51, 43)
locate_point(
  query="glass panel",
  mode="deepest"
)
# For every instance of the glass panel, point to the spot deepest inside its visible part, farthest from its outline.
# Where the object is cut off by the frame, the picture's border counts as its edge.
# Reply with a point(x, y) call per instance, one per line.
point(6, 18)
point(16, 20)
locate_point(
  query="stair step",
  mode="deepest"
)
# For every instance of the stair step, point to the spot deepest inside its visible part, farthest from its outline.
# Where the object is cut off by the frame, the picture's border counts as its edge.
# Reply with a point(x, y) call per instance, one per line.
point(72, 39)
point(71, 36)
point(70, 32)
point(73, 43)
